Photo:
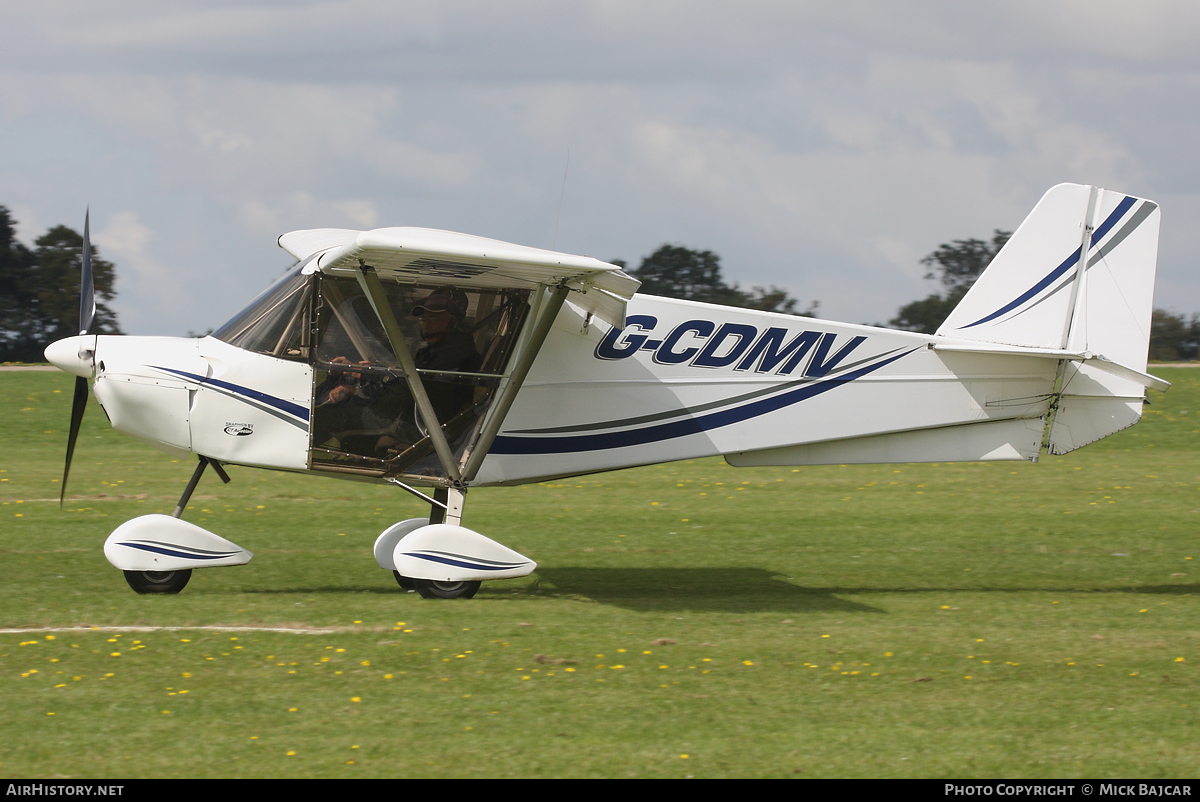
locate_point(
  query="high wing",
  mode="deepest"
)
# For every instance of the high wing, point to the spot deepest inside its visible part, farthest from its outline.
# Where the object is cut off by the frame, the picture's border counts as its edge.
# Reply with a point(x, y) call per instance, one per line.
point(429, 255)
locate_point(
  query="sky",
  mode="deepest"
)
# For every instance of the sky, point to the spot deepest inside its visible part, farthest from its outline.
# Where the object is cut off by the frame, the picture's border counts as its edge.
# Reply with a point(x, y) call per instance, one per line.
point(821, 147)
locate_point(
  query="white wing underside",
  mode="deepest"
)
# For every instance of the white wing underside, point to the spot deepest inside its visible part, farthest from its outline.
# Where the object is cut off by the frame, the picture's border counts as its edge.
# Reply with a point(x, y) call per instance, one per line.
point(424, 255)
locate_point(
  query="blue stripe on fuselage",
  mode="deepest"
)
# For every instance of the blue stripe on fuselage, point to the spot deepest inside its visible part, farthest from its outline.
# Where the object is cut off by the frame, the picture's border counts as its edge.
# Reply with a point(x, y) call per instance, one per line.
point(508, 444)
point(270, 400)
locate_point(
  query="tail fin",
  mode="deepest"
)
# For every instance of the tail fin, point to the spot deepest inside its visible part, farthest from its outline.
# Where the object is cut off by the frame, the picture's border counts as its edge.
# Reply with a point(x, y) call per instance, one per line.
point(1035, 296)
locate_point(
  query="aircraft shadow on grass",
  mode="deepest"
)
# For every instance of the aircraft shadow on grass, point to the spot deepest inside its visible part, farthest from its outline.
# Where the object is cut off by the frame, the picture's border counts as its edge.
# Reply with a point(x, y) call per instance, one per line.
point(739, 590)
point(695, 589)
point(756, 589)
point(698, 589)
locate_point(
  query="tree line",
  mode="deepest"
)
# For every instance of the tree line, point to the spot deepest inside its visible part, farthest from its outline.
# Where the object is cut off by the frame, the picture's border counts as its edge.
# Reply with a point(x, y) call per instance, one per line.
point(39, 291)
point(677, 272)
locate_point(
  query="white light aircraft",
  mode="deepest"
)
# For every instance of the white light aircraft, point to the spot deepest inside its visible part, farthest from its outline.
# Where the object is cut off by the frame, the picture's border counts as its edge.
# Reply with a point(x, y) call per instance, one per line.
point(424, 358)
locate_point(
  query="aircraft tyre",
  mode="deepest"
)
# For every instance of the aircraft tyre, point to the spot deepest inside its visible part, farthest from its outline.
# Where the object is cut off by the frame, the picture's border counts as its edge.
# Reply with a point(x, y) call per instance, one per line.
point(408, 583)
point(158, 581)
point(430, 589)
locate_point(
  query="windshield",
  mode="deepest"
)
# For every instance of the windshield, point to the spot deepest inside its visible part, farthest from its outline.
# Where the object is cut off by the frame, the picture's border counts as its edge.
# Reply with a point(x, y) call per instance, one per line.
point(275, 322)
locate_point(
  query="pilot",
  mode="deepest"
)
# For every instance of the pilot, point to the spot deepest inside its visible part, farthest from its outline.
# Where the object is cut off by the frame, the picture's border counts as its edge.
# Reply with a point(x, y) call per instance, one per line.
point(386, 408)
point(448, 345)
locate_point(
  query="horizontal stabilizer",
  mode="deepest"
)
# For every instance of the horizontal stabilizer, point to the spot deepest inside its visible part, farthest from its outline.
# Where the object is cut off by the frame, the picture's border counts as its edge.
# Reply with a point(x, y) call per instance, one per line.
point(1095, 360)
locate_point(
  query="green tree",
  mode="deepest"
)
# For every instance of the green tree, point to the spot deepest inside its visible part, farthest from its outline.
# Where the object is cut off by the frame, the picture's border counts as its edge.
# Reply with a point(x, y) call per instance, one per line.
point(1173, 337)
point(16, 261)
point(677, 272)
point(39, 291)
point(956, 265)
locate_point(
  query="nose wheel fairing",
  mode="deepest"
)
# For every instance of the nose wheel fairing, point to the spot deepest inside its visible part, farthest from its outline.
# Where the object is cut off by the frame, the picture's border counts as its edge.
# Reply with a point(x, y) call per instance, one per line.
point(160, 543)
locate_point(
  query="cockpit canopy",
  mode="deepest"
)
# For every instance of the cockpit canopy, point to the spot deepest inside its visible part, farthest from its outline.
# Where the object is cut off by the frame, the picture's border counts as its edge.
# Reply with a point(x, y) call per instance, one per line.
point(364, 419)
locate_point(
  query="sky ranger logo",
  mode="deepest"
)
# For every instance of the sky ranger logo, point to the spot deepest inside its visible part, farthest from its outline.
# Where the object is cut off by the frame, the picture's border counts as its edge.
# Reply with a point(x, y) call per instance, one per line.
point(701, 344)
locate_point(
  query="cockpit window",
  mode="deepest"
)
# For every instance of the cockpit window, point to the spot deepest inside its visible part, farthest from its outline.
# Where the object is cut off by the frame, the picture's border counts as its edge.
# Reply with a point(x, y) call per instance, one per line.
point(275, 322)
point(349, 330)
point(365, 416)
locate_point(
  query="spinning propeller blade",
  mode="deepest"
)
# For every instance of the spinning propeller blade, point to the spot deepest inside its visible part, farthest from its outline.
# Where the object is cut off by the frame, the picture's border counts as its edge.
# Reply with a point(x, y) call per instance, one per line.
point(77, 408)
point(87, 313)
point(87, 292)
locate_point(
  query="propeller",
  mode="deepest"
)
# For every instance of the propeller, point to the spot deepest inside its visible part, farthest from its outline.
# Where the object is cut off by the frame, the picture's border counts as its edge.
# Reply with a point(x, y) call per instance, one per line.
point(87, 314)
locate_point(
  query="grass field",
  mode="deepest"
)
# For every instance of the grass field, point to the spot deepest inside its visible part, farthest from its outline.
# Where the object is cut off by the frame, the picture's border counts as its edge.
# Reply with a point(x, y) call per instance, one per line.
point(690, 619)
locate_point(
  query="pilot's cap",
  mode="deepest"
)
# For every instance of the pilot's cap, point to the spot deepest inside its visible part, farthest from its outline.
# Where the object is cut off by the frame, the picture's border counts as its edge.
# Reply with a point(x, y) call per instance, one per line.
point(443, 299)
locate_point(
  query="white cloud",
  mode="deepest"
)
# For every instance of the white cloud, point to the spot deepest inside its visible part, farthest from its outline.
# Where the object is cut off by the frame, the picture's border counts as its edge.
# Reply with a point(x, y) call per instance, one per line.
point(126, 241)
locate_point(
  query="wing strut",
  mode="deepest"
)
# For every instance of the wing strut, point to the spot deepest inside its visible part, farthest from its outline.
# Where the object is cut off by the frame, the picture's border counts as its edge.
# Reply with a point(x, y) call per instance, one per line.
point(374, 289)
point(516, 378)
